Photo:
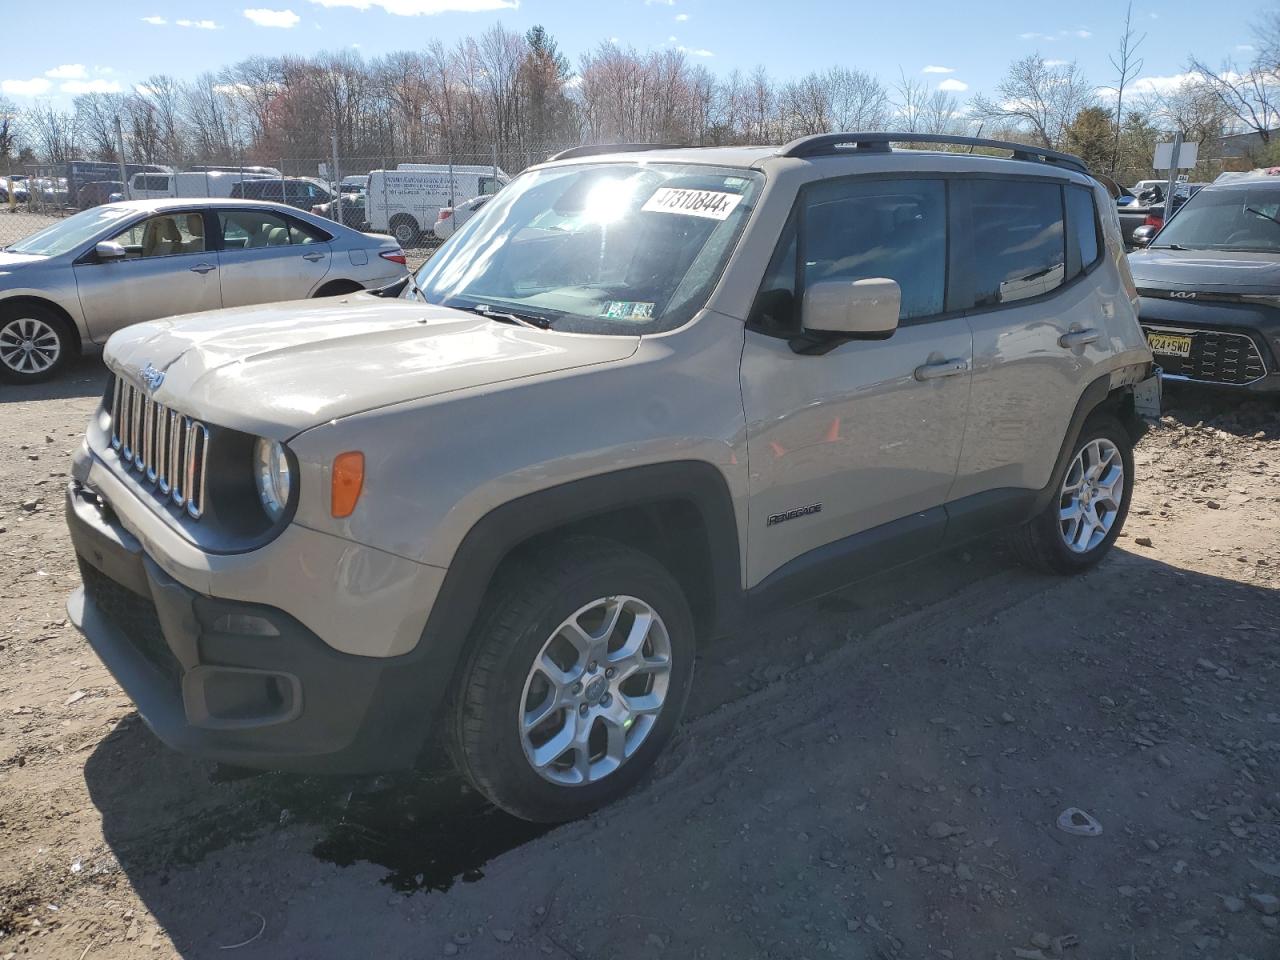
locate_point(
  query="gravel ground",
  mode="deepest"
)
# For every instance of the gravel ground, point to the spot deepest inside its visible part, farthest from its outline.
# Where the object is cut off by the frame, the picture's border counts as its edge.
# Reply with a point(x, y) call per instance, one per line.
point(874, 775)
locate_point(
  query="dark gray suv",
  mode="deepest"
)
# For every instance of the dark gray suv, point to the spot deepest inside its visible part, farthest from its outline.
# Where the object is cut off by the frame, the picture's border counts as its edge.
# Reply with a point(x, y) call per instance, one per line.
point(1210, 288)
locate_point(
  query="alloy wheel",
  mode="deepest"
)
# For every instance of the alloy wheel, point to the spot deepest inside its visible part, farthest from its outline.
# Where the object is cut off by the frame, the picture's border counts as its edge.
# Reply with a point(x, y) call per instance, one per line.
point(1091, 495)
point(594, 691)
point(29, 345)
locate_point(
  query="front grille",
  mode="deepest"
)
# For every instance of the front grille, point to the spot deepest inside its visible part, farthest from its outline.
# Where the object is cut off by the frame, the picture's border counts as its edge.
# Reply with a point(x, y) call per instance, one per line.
point(1216, 356)
point(134, 616)
point(162, 446)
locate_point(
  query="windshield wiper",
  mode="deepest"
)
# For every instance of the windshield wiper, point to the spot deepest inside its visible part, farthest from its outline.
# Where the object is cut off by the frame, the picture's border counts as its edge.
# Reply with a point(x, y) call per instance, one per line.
point(506, 316)
point(1168, 246)
point(1265, 216)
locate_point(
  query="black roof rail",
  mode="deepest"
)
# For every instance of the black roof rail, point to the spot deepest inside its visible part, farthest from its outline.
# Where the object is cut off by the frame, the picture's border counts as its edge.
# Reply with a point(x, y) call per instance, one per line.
point(832, 144)
point(600, 149)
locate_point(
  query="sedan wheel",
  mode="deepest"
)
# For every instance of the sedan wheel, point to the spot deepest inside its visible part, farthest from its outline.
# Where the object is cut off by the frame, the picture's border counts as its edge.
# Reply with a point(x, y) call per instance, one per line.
point(30, 347)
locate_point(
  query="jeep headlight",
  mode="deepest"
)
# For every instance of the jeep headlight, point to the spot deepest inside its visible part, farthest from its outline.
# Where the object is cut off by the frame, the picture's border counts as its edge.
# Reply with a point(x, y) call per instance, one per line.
point(272, 475)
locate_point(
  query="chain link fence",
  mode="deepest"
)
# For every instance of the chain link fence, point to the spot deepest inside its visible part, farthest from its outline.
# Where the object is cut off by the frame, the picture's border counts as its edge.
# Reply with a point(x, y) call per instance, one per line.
point(399, 194)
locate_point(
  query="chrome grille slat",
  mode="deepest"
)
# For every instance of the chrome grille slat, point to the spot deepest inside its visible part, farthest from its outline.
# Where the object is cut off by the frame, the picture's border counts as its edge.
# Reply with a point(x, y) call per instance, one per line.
point(168, 450)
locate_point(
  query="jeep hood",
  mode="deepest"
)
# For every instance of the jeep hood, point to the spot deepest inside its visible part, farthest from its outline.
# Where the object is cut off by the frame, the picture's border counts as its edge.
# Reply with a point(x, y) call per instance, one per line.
point(280, 368)
point(1206, 271)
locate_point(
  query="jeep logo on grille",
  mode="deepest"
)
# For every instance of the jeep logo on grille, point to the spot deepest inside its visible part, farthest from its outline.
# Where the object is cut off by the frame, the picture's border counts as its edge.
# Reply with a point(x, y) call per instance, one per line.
point(152, 377)
point(1182, 294)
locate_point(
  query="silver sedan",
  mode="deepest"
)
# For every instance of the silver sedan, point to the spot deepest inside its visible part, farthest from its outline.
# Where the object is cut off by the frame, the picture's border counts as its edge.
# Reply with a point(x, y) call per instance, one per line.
point(78, 281)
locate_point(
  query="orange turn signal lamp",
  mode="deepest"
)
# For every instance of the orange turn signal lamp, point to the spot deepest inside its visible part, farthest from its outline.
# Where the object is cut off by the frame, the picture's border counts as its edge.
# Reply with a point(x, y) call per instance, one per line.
point(347, 482)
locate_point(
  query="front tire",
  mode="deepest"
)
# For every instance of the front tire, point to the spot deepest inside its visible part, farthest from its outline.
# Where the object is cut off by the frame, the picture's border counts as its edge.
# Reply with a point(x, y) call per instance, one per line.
point(1078, 526)
point(578, 675)
point(35, 343)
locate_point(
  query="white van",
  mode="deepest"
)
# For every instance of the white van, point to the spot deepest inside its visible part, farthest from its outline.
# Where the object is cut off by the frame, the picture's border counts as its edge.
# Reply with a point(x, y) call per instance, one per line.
point(404, 202)
point(209, 183)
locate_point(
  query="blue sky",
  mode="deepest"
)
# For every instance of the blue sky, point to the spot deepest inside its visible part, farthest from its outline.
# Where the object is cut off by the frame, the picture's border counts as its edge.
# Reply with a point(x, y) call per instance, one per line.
point(110, 46)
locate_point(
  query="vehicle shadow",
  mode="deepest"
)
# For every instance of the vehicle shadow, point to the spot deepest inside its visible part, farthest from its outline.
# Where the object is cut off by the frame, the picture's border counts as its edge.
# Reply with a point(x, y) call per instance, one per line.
point(85, 376)
point(176, 826)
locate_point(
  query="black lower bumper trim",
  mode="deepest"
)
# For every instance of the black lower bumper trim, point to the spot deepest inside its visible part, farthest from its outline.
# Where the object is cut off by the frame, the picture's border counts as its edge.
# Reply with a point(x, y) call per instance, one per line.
point(276, 697)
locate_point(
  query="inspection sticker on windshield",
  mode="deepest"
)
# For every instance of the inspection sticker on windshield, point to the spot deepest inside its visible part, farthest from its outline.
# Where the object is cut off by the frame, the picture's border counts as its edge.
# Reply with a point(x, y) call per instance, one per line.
point(627, 310)
point(712, 204)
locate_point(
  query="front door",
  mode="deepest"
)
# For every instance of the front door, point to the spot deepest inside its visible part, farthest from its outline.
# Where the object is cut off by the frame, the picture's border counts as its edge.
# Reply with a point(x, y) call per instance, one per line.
point(268, 256)
point(868, 432)
point(168, 269)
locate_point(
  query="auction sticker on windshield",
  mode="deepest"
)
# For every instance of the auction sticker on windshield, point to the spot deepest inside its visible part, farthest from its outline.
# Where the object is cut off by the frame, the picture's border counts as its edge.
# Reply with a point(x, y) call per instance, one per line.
point(712, 204)
point(627, 310)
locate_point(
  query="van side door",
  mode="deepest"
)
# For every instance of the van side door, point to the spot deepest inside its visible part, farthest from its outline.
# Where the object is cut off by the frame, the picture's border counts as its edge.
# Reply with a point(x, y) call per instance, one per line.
point(858, 443)
point(1038, 326)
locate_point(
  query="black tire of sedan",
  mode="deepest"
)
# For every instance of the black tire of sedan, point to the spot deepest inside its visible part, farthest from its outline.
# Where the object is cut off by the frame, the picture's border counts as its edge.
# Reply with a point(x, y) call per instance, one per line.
point(35, 343)
point(1084, 518)
point(577, 676)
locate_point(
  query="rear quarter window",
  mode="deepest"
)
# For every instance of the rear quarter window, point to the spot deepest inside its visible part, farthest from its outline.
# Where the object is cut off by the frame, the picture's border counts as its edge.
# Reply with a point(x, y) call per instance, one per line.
point(1019, 240)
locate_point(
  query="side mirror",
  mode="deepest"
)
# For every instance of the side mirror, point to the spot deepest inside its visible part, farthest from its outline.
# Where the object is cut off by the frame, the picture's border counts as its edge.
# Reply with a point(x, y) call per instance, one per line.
point(1142, 235)
point(859, 309)
point(108, 250)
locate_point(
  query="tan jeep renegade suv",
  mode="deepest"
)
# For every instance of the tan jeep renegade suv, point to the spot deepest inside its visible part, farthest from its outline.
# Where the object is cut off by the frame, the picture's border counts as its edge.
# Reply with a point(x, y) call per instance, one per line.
point(641, 394)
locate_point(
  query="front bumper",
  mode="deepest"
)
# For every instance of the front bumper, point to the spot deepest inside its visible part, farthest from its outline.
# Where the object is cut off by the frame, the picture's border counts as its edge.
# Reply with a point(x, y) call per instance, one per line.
point(238, 682)
point(1233, 346)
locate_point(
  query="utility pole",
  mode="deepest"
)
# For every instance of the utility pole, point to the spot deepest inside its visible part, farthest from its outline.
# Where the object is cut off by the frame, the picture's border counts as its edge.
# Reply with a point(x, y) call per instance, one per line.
point(124, 177)
point(337, 177)
point(1174, 157)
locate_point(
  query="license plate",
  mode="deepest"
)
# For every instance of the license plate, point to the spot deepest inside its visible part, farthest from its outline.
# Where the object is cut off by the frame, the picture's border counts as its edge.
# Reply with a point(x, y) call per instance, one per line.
point(1170, 344)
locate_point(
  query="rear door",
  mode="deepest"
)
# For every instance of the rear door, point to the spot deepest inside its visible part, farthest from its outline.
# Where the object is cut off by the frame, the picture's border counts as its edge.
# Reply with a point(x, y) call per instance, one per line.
point(169, 269)
point(267, 256)
point(847, 439)
point(1038, 324)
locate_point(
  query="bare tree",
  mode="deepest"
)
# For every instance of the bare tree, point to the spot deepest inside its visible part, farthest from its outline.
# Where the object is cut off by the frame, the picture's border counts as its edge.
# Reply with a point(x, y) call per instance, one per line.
point(1038, 98)
point(1251, 96)
point(96, 117)
point(55, 133)
point(1127, 65)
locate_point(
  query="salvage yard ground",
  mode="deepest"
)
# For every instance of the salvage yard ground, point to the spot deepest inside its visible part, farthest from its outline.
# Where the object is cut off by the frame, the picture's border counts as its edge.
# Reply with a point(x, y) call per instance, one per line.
point(874, 775)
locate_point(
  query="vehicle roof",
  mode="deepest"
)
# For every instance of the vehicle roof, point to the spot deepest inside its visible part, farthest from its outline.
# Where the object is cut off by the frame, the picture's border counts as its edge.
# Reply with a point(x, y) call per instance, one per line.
point(1246, 183)
point(162, 204)
point(763, 157)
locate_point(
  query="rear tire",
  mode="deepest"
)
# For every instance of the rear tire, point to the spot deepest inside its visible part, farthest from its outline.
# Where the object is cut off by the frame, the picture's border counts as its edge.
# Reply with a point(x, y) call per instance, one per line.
point(577, 677)
point(1079, 525)
point(406, 230)
point(35, 343)
point(337, 288)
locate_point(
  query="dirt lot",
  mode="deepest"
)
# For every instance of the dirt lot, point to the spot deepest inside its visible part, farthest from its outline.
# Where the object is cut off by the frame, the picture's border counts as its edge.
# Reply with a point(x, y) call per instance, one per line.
point(875, 775)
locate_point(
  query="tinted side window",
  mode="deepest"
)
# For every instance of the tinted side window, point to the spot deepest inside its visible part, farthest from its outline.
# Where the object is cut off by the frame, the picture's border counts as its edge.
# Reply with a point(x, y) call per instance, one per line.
point(858, 229)
point(1019, 247)
point(1082, 229)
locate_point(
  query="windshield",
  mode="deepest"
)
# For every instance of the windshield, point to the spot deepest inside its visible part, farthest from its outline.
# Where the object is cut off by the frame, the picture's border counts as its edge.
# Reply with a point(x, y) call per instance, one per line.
point(597, 248)
point(66, 235)
point(1230, 219)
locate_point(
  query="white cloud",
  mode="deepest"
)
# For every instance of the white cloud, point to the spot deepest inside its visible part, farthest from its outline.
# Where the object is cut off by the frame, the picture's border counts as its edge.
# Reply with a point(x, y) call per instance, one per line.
point(25, 88)
point(1079, 34)
point(1056, 63)
point(197, 24)
point(952, 85)
point(155, 21)
point(91, 86)
point(664, 3)
point(696, 51)
point(284, 19)
point(681, 17)
point(415, 8)
point(68, 71)
point(1162, 84)
point(933, 68)
point(1034, 36)
point(1245, 47)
